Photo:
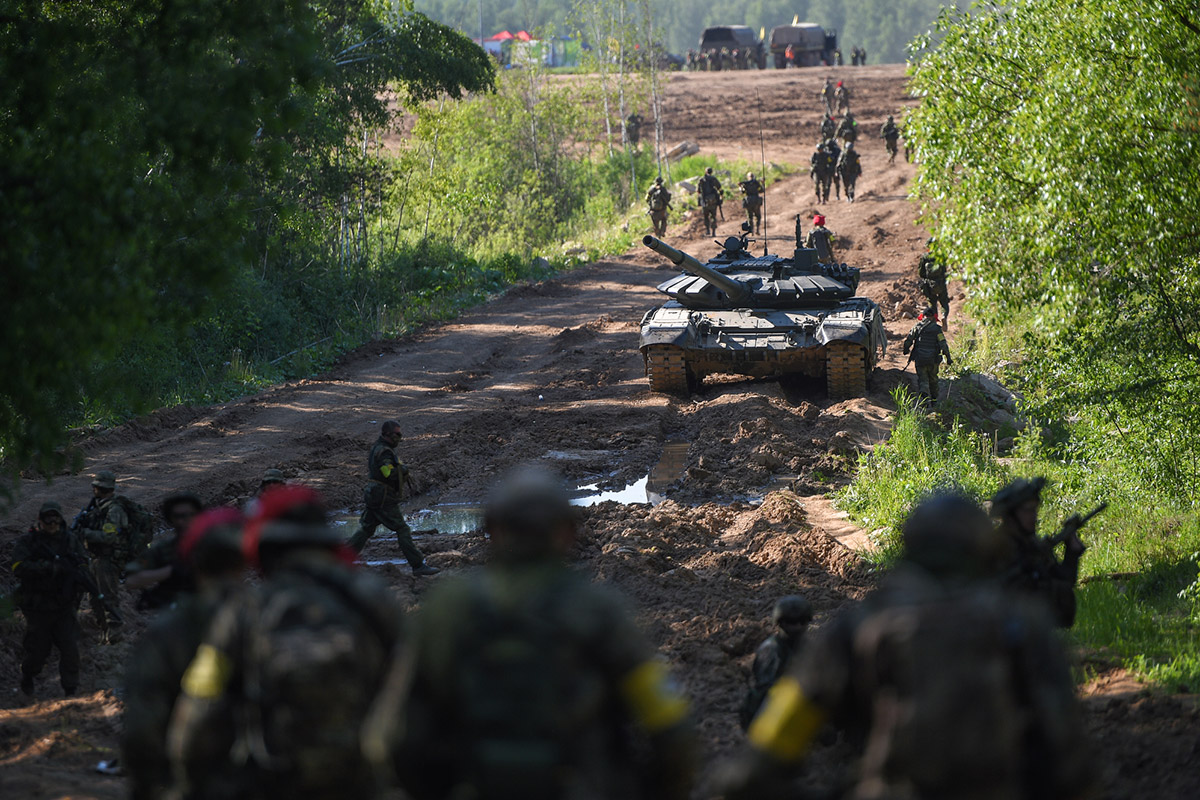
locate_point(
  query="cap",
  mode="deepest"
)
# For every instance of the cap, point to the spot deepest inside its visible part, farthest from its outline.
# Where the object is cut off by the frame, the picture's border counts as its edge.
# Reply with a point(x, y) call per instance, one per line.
point(105, 479)
point(272, 476)
point(792, 610)
point(50, 507)
point(1017, 494)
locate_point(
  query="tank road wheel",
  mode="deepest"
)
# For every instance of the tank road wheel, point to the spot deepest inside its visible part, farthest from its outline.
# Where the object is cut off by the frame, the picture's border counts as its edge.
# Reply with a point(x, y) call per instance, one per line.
point(667, 370)
point(845, 370)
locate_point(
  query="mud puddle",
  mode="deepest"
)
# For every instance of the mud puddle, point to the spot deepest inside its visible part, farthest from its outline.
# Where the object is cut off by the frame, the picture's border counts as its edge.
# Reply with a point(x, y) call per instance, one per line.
point(446, 519)
point(650, 490)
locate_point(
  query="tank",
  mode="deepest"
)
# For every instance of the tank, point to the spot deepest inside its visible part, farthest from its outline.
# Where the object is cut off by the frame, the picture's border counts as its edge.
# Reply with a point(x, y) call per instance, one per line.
point(760, 316)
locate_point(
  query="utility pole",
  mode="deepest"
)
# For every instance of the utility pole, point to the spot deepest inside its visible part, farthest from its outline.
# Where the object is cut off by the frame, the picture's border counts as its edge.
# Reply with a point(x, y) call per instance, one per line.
point(481, 24)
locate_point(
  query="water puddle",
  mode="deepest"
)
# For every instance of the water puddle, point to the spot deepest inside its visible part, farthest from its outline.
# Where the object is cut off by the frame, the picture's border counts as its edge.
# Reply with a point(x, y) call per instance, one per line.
point(444, 519)
point(650, 490)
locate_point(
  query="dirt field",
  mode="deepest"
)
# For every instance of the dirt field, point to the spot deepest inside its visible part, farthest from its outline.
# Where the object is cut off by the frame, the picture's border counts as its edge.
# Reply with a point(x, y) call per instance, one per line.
point(551, 372)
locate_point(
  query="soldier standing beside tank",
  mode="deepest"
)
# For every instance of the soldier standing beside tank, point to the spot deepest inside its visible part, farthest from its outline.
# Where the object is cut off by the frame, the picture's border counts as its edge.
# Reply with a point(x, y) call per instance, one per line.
point(931, 275)
point(658, 199)
point(890, 133)
point(950, 686)
point(821, 168)
point(382, 497)
point(46, 562)
point(849, 168)
point(711, 197)
point(752, 201)
point(791, 616)
point(843, 97)
point(821, 239)
point(210, 550)
point(106, 530)
point(928, 346)
point(827, 96)
point(847, 129)
point(277, 692)
point(1029, 565)
point(527, 680)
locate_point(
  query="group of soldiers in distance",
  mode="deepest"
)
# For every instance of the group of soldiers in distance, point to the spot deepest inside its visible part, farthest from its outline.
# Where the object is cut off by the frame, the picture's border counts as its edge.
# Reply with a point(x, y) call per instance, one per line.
point(525, 679)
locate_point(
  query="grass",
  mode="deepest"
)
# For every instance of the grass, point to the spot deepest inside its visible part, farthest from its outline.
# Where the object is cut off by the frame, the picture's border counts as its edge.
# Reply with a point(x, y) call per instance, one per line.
point(1139, 600)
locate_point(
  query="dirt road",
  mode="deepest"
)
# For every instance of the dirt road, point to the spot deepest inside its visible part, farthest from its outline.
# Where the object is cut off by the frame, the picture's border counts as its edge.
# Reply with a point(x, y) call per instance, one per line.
point(551, 372)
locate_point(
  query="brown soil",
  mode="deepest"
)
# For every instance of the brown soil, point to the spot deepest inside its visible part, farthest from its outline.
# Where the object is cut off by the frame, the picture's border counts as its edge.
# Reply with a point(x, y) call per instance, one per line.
point(552, 372)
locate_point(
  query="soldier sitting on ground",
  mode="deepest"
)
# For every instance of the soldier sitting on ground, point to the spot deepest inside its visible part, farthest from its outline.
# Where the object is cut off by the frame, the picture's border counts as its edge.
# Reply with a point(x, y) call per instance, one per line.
point(928, 346)
point(527, 680)
point(46, 562)
point(791, 615)
point(950, 687)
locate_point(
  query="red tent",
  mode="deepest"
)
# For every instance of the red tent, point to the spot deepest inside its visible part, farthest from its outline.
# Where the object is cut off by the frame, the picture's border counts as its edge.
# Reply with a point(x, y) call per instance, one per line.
point(503, 36)
point(524, 36)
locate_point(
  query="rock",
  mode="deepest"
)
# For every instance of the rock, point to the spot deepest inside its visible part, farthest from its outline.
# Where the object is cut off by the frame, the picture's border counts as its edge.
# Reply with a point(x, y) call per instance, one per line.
point(687, 185)
point(808, 411)
point(541, 263)
point(1005, 445)
point(765, 458)
point(1002, 418)
point(994, 390)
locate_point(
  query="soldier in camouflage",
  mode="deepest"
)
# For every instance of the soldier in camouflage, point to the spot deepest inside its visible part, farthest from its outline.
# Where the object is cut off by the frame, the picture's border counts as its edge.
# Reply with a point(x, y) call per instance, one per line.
point(529, 681)
point(752, 200)
point(382, 496)
point(658, 201)
point(843, 97)
point(948, 686)
point(1029, 564)
point(835, 154)
point(931, 276)
point(209, 551)
point(157, 572)
point(890, 133)
point(928, 346)
point(828, 127)
point(792, 615)
point(276, 694)
point(711, 196)
point(827, 96)
point(822, 166)
point(105, 528)
point(847, 129)
point(849, 168)
point(821, 239)
point(45, 561)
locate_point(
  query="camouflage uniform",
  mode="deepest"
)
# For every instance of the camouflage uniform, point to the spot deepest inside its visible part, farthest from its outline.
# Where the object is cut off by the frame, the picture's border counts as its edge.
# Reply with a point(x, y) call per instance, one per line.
point(821, 239)
point(847, 129)
point(382, 500)
point(849, 168)
point(276, 694)
point(890, 133)
point(950, 687)
point(45, 564)
point(843, 98)
point(835, 154)
point(658, 198)
point(633, 128)
point(827, 97)
point(932, 280)
point(528, 681)
point(828, 127)
point(105, 528)
point(822, 168)
point(792, 615)
point(711, 195)
point(928, 345)
point(752, 201)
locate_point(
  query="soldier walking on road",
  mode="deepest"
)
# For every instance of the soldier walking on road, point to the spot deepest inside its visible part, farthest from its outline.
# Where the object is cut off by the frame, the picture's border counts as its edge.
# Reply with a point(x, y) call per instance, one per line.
point(890, 133)
point(752, 201)
point(849, 168)
point(843, 97)
point(931, 276)
point(711, 197)
point(791, 616)
point(276, 695)
point(827, 96)
point(210, 551)
point(527, 680)
point(658, 199)
point(928, 346)
point(835, 154)
point(822, 167)
point(949, 686)
point(828, 127)
point(108, 534)
point(1029, 565)
point(46, 562)
point(847, 129)
point(821, 239)
point(382, 498)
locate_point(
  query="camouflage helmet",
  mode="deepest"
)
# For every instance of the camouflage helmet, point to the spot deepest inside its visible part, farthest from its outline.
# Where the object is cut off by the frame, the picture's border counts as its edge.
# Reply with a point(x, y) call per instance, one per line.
point(51, 507)
point(929, 312)
point(105, 479)
point(947, 534)
point(658, 180)
point(1017, 494)
point(890, 118)
point(849, 145)
point(708, 170)
point(272, 476)
point(529, 507)
point(792, 610)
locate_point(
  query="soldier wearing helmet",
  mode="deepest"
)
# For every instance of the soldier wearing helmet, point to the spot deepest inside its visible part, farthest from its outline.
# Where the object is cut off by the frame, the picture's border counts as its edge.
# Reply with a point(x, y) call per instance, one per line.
point(288, 668)
point(107, 533)
point(752, 200)
point(1030, 565)
point(931, 279)
point(711, 196)
point(527, 679)
point(658, 201)
point(941, 678)
point(791, 615)
point(890, 133)
point(928, 346)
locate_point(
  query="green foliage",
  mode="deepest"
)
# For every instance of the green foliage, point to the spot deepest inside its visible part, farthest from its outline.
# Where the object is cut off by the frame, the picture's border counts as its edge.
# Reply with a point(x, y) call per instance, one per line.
point(1058, 166)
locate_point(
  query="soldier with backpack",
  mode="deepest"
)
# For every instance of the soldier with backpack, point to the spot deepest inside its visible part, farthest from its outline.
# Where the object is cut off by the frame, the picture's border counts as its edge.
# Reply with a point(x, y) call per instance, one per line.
point(526, 680)
point(752, 200)
point(890, 133)
point(848, 169)
point(115, 530)
point(822, 166)
point(821, 239)
point(928, 345)
point(948, 685)
point(275, 696)
point(847, 129)
point(658, 198)
point(931, 275)
point(711, 197)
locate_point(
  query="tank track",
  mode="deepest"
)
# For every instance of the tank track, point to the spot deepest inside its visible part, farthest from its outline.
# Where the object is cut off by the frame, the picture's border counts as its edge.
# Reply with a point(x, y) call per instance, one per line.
point(845, 370)
point(667, 370)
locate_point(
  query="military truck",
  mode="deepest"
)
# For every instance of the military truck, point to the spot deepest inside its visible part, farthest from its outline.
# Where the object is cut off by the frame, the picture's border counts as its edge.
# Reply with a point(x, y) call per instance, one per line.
point(734, 37)
point(760, 316)
point(813, 45)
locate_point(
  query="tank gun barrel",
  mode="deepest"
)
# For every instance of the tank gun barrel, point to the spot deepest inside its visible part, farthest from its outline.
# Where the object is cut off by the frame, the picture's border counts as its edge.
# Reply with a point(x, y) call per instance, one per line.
point(735, 290)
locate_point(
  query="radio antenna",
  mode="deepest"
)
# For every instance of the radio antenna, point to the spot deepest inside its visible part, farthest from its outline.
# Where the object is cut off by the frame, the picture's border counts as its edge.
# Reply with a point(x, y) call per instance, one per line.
point(762, 150)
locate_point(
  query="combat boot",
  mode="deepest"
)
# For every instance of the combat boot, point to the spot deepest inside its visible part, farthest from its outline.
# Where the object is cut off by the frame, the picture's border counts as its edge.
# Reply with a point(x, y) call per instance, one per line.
point(27, 685)
point(425, 570)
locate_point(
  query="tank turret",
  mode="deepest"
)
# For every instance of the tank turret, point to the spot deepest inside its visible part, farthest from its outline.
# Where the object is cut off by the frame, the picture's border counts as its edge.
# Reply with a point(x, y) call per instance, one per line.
point(734, 289)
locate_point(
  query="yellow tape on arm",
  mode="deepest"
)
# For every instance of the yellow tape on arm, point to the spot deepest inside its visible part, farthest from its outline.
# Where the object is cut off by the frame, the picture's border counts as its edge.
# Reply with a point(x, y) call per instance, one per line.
point(386, 469)
point(651, 698)
point(208, 675)
point(787, 723)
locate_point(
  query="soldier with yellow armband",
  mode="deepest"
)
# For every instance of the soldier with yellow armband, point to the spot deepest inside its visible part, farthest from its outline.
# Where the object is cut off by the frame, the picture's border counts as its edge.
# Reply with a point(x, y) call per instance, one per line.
point(529, 681)
point(949, 686)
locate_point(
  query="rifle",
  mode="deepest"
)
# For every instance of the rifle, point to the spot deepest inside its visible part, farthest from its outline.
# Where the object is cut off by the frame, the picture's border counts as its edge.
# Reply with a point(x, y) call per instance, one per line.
point(1072, 524)
point(79, 574)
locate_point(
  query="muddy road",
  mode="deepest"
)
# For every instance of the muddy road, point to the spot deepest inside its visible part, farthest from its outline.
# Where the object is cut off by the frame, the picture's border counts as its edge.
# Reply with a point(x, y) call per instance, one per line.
point(551, 372)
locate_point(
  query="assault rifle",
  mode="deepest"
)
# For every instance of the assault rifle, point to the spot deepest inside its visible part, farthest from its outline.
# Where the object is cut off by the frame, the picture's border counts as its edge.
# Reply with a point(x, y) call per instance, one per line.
point(79, 575)
point(1072, 524)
